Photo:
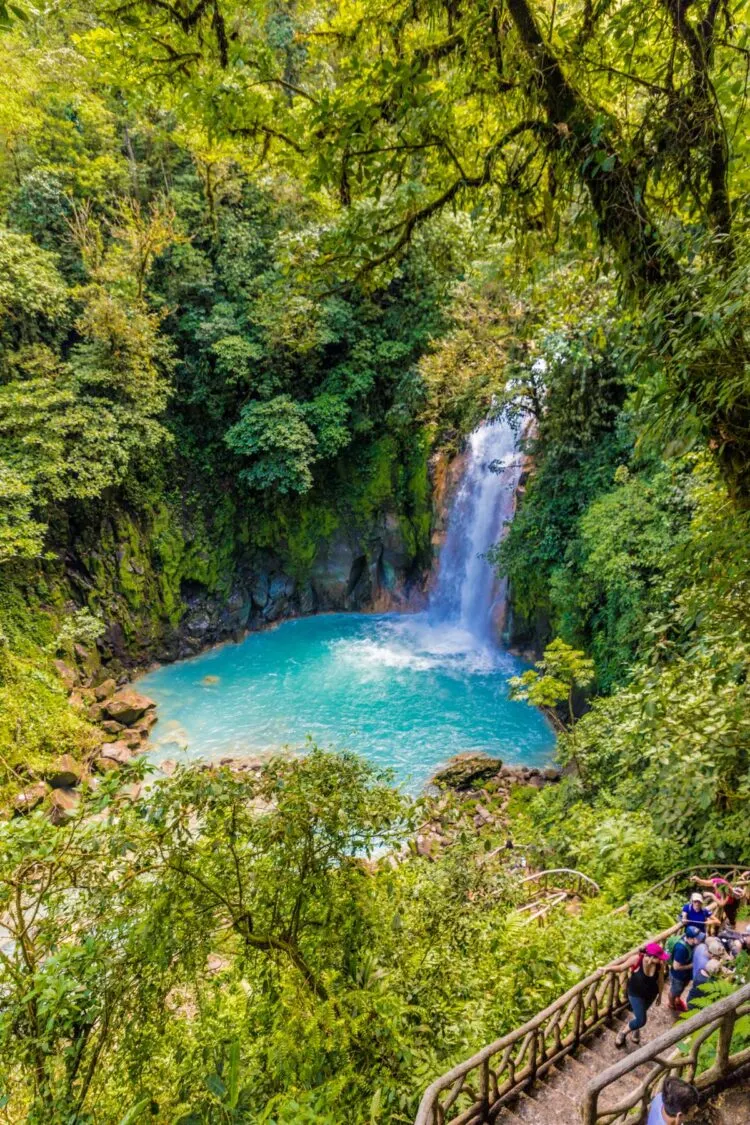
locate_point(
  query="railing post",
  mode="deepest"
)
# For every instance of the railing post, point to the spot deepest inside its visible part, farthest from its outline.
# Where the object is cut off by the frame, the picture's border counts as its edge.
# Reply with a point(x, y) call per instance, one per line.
point(589, 1107)
point(726, 1030)
point(612, 991)
point(579, 1017)
point(532, 1057)
point(486, 1090)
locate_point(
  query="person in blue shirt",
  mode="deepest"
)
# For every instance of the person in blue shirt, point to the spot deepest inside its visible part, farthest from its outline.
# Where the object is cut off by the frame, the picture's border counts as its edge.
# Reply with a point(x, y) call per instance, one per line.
point(675, 1104)
point(694, 913)
point(681, 969)
point(707, 957)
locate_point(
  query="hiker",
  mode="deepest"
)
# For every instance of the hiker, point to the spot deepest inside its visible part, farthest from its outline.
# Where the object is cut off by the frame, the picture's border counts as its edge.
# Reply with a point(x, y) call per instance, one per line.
point(644, 985)
point(734, 941)
point(681, 967)
point(676, 1103)
point(728, 898)
point(694, 913)
point(707, 959)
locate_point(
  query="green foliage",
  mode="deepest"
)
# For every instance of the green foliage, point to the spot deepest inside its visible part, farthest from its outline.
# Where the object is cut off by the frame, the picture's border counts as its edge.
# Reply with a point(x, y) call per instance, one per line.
point(81, 627)
point(74, 415)
point(36, 720)
point(530, 119)
point(276, 435)
point(224, 950)
point(648, 574)
point(620, 570)
point(241, 297)
point(571, 384)
point(555, 678)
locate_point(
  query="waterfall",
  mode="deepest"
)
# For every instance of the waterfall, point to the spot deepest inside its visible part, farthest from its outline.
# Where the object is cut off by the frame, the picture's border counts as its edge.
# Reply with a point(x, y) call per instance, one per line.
point(468, 592)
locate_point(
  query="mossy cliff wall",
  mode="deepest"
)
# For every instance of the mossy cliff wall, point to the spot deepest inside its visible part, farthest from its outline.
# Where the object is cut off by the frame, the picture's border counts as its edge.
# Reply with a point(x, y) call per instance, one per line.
point(187, 570)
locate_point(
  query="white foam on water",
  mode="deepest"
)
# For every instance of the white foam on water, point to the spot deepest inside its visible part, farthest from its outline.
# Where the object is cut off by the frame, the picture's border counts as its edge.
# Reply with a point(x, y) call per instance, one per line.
point(416, 644)
point(372, 658)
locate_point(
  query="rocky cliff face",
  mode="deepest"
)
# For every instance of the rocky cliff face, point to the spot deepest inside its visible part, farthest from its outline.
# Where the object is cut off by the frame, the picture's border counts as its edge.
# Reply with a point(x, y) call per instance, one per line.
point(175, 580)
point(352, 570)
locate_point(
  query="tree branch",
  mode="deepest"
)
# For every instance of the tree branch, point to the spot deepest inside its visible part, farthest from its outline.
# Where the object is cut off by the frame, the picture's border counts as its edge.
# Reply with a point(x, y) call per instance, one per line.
point(408, 225)
point(252, 131)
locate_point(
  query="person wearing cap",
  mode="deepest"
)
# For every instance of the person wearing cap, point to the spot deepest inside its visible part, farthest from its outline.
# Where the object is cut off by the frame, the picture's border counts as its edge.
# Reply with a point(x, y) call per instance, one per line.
point(676, 1103)
point(707, 958)
point(644, 985)
point(728, 898)
point(694, 913)
point(681, 969)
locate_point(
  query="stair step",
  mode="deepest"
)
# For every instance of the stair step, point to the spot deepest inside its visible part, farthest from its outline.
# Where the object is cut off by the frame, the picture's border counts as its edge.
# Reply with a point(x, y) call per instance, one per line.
point(567, 1081)
point(577, 1067)
point(508, 1116)
point(546, 1107)
point(556, 1100)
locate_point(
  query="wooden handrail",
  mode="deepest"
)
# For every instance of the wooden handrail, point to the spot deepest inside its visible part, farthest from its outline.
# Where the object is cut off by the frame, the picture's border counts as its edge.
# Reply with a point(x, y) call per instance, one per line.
point(540, 1043)
point(720, 1017)
point(584, 884)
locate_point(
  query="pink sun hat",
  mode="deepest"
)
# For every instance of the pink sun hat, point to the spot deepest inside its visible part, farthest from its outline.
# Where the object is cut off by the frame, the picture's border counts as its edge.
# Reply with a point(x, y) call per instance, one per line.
point(653, 949)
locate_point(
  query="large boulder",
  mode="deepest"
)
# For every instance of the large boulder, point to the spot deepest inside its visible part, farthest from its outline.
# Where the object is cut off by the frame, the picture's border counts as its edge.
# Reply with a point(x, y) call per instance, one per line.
point(467, 771)
point(105, 765)
point(144, 724)
point(105, 689)
point(63, 804)
point(127, 706)
point(235, 613)
point(259, 591)
point(87, 659)
point(118, 752)
point(64, 773)
point(67, 674)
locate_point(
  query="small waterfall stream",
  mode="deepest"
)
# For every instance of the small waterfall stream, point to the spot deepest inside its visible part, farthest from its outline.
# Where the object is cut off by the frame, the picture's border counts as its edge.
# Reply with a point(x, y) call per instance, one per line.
point(467, 592)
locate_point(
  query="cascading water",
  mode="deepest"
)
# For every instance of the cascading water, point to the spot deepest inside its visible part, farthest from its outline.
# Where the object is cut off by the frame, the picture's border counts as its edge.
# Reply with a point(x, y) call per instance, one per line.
point(407, 691)
point(467, 592)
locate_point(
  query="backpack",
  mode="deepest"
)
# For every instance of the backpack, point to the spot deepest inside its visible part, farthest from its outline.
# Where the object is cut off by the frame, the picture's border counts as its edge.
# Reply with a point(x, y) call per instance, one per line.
point(670, 947)
point(671, 942)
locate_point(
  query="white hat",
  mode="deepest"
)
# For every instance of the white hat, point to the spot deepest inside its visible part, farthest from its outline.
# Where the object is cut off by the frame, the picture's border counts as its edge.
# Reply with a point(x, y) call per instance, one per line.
point(696, 894)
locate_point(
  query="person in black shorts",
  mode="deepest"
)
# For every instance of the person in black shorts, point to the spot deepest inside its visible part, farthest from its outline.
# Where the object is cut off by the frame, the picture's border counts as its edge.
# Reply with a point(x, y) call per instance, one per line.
point(644, 985)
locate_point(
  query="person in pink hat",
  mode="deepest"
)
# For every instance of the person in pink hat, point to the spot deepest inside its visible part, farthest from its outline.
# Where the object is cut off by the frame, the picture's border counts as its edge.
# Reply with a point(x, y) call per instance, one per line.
point(644, 986)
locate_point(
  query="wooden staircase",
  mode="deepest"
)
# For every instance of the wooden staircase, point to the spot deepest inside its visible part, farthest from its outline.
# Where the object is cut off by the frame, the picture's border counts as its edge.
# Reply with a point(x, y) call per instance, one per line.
point(563, 1068)
point(557, 1100)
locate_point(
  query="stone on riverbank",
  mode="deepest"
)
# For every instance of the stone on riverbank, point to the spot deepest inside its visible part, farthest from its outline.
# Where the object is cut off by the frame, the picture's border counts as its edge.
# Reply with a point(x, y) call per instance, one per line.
point(127, 706)
point(65, 772)
point(105, 689)
point(118, 752)
point(63, 803)
point(467, 770)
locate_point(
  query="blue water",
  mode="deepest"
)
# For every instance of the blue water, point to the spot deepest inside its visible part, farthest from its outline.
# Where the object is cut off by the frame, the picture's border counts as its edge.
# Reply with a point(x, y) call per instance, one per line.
point(404, 692)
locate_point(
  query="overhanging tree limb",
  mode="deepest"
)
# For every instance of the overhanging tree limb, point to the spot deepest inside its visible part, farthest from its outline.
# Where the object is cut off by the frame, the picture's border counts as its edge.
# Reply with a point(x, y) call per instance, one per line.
point(612, 183)
point(407, 226)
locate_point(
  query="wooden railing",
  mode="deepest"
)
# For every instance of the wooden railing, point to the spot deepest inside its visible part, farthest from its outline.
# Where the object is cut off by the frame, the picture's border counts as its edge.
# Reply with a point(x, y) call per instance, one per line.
point(704, 1057)
point(473, 1092)
point(554, 887)
point(566, 879)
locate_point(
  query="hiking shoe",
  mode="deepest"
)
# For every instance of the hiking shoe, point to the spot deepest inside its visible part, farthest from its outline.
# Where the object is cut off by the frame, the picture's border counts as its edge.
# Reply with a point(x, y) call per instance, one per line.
point(620, 1038)
point(636, 1037)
